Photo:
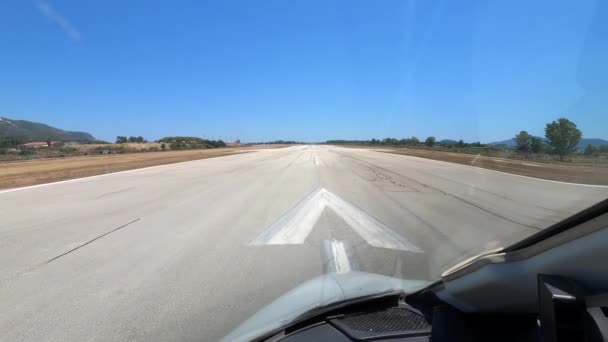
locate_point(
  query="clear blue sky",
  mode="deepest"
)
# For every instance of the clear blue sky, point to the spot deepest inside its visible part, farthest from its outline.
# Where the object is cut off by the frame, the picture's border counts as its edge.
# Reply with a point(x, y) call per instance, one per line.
point(306, 70)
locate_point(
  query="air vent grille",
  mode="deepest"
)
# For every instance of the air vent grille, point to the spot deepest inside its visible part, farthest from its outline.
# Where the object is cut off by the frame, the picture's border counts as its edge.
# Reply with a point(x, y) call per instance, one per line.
point(387, 321)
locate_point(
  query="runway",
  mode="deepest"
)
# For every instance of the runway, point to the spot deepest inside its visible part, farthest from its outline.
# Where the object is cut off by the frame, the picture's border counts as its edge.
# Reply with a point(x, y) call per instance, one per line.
point(188, 251)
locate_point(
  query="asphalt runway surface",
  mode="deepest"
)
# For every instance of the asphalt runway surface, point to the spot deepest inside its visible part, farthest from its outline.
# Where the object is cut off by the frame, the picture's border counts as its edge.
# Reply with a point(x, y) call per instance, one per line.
point(188, 251)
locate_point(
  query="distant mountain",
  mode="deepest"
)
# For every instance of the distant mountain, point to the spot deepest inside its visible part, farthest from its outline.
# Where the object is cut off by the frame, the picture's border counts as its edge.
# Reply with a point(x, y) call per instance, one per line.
point(33, 131)
point(509, 142)
point(581, 144)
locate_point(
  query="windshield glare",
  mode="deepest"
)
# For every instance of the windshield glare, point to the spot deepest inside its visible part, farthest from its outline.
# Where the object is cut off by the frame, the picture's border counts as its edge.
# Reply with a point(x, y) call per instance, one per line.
point(184, 171)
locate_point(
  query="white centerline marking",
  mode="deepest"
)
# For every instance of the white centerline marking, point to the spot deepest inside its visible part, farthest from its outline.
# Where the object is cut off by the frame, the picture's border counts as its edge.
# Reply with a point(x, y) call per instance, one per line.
point(340, 257)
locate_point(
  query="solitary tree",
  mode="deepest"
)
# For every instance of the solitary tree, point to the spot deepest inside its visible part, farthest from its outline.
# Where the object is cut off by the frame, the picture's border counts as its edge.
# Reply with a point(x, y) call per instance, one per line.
point(430, 141)
point(536, 145)
point(121, 139)
point(414, 141)
point(163, 146)
point(523, 140)
point(460, 143)
point(563, 136)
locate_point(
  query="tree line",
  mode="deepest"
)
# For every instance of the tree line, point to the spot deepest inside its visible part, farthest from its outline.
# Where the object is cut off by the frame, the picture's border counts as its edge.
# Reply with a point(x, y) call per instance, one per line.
point(123, 139)
point(561, 138)
point(175, 143)
point(8, 142)
point(188, 143)
point(412, 141)
point(277, 142)
point(16, 141)
point(591, 150)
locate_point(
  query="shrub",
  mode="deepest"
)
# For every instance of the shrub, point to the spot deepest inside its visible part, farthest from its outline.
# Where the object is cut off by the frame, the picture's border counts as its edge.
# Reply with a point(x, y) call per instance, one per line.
point(68, 150)
point(27, 152)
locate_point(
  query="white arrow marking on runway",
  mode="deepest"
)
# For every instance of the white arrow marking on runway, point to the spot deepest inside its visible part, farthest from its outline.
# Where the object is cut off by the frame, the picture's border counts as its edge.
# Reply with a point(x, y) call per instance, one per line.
point(293, 227)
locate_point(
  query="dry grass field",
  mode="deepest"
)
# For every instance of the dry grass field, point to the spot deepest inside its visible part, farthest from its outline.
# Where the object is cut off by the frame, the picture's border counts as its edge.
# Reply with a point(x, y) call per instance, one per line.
point(38, 171)
point(573, 173)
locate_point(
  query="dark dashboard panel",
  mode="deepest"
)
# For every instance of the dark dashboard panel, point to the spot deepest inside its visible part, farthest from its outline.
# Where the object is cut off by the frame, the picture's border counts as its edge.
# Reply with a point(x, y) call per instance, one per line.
point(400, 321)
point(388, 320)
point(567, 313)
point(321, 333)
point(326, 332)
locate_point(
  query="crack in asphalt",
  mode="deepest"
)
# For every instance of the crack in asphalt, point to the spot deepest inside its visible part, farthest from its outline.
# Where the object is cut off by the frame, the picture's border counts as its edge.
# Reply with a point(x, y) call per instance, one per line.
point(379, 176)
point(92, 240)
point(114, 192)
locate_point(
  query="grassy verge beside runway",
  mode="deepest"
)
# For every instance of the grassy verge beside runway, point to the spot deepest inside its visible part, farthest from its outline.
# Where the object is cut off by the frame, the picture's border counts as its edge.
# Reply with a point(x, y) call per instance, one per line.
point(597, 175)
point(39, 171)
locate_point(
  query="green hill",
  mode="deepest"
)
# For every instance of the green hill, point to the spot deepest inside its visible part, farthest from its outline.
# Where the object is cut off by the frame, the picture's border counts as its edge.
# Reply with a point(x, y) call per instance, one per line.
point(27, 131)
